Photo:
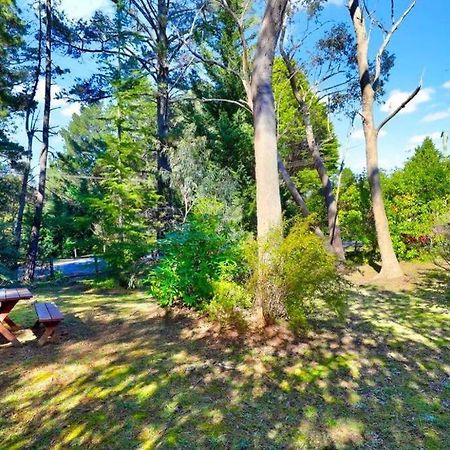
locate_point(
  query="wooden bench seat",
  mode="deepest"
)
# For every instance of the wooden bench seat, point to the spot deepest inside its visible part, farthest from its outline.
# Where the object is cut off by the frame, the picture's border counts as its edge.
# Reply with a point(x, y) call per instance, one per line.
point(49, 316)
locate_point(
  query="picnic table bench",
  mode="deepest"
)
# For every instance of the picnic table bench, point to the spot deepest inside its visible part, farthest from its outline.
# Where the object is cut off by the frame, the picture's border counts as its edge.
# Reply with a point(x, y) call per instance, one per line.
point(8, 299)
point(49, 316)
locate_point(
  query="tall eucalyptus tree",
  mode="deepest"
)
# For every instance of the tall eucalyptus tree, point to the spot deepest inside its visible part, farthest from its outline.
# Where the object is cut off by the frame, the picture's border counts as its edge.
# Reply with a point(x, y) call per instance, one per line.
point(369, 81)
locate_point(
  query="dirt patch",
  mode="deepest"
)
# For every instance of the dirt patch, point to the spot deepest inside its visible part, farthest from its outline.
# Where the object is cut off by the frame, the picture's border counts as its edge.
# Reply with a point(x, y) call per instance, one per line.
point(416, 273)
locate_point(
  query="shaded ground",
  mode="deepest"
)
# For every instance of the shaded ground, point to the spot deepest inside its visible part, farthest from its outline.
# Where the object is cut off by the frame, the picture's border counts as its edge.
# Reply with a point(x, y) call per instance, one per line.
point(127, 377)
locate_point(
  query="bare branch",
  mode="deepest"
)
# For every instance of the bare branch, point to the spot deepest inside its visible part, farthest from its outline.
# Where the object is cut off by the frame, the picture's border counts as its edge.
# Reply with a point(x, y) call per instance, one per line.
point(242, 104)
point(397, 110)
point(213, 62)
point(373, 19)
point(385, 43)
point(245, 77)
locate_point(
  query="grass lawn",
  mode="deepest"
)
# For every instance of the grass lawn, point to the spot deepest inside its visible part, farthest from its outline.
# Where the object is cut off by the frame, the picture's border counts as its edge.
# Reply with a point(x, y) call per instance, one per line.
point(126, 376)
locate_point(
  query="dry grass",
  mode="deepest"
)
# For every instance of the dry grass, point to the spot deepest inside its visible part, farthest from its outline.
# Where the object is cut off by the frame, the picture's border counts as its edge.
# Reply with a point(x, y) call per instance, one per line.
point(127, 376)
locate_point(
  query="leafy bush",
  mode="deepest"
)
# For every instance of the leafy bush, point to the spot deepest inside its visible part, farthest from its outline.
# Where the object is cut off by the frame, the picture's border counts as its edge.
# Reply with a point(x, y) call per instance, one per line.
point(441, 250)
point(6, 275)
point(202, 251)
point(230, 298)
point(124, 259)
point(299, 278)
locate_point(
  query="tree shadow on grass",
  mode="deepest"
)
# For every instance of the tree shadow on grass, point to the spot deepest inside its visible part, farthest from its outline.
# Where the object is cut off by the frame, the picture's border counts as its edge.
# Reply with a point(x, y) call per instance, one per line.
point(434, 286)
point(147, 381)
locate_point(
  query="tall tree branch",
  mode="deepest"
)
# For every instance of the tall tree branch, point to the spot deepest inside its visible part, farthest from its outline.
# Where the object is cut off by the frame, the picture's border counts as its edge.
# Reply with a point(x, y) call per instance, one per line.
point(399, 108)
point(385, 43)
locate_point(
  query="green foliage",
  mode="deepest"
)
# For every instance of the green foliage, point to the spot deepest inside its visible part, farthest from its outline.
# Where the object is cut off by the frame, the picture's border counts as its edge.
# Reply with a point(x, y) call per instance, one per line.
point(292, 135)
point(201, 252)
point(292, 144)
point(9, 188)
point(227, 126)
point(416, 196)
point(300, 277)
point(6, 275)
point(104, 183)
point(230, 298)
point(355, 214)
point(195, 175)
point(10, 185)
point(11, 41)
point(441, 243)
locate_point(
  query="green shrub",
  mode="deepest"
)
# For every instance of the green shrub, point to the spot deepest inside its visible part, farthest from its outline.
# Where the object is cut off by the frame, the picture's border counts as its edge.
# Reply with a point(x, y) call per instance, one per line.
point(124, 258)
point(299, 279)
point(441, 248)
point(202, 251)
point(6, 275)
point(229, 301)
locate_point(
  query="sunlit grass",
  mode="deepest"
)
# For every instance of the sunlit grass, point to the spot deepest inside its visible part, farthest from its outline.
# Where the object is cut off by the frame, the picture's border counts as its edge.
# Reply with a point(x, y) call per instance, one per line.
point(126, 376)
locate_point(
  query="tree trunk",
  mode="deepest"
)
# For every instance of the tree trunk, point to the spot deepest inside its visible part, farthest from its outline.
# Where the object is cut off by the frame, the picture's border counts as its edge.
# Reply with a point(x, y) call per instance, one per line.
point(30, 130)
point(390, 268)
point(23, 194)
point(268, 201)
point(52, 268)
point(292, 188)
point(162, 97)
point(296, 195)
point(37, 219)
point(334, 231)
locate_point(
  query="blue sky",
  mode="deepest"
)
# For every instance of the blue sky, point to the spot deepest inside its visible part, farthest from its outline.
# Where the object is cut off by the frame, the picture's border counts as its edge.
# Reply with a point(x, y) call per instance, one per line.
point(422, 49)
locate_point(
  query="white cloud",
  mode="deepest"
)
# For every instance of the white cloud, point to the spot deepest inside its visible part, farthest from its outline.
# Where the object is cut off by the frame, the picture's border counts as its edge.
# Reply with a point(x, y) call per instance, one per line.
point(84, 9)
point(446, 85)
point(397, 97)
point(418, 139)
point(66, 109)
point(54, 91)
point(358, 135)
point(439, 115)
point(71, 108)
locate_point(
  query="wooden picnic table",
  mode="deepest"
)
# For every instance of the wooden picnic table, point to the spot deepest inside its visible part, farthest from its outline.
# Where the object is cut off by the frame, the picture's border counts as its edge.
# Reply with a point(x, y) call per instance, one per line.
point(8, 299)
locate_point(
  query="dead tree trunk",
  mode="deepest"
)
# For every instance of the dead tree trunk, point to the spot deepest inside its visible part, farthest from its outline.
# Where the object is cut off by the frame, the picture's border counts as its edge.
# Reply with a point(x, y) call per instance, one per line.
point(37, 219)
point(390, 267)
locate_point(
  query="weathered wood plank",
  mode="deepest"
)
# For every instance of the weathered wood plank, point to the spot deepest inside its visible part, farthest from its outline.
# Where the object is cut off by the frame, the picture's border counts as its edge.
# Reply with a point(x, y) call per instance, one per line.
point(12, 294)
point(15, 294)
point(54, 312)
point(9, 336)
point(24, 293)
point(42, 312)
